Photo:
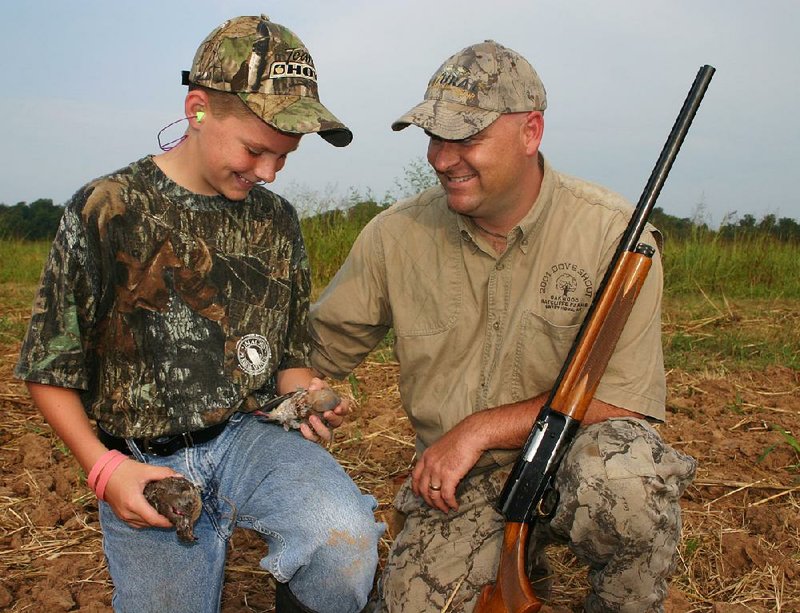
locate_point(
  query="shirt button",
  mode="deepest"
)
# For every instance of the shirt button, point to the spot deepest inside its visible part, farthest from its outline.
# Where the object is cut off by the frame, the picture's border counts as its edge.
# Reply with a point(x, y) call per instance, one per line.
point(496, 325)
point(499, 266)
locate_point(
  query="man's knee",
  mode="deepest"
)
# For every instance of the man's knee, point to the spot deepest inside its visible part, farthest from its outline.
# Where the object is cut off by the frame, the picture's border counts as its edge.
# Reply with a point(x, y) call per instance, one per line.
point(620, 512)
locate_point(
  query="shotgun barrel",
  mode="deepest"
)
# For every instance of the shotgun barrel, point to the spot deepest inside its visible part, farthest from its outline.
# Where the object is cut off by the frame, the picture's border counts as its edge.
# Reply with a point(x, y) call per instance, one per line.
point(529, 493)
point(558, 422)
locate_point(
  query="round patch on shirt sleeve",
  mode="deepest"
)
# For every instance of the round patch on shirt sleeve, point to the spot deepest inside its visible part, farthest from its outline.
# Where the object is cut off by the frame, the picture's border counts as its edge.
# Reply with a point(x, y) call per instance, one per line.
point(253, 354)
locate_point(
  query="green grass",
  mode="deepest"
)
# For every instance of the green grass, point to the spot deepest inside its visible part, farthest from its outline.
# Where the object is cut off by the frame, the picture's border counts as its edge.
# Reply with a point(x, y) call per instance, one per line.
point(20, 267)
point(16, 300)
point(329, 236)
point(729, 305)
point(706, 334)
point(22, 261)
point(749, 267)
point(328, 241)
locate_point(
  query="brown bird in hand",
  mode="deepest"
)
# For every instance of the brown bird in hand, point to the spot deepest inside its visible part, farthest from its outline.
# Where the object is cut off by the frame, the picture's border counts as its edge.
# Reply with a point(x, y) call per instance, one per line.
point(292, 408)
point(178, 500)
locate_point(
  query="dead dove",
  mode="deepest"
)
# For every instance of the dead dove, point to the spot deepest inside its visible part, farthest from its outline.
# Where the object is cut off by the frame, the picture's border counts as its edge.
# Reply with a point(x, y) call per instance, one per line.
point(291, 409)
point(178, 500)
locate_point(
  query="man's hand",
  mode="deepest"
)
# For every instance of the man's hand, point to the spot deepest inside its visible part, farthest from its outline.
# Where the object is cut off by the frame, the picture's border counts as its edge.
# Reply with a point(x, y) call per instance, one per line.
point(448, 460)
point(442, 465)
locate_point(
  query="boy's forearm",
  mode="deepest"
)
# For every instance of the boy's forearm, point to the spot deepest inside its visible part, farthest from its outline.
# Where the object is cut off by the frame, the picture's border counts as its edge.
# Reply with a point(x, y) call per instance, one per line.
point(63, 410)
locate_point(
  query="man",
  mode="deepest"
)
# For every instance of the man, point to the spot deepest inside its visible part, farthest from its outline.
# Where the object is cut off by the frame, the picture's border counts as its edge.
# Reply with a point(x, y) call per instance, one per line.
point(485, 281)
point(173, 305)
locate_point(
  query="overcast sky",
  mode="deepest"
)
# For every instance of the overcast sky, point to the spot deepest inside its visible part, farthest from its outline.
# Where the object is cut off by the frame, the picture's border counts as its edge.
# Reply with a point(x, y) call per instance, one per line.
point(87, 85)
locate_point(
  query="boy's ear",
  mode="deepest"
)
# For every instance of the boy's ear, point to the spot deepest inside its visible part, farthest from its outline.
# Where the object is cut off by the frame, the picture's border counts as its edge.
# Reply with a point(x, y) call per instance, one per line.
point(196, 105)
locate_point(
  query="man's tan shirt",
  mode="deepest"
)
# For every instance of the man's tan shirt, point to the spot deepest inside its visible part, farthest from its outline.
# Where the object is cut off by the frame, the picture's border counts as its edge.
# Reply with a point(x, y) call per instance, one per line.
point(476, 330)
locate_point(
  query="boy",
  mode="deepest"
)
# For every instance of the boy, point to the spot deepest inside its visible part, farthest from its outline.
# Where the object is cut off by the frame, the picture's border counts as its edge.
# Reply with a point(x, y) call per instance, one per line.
point(173, 304)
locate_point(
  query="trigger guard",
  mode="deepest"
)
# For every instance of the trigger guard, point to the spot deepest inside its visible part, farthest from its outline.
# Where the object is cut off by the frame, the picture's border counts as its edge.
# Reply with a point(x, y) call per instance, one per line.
point(548, 504)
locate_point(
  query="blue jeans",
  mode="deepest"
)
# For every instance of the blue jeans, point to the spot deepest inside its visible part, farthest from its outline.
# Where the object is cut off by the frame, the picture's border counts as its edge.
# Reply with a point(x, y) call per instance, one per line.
point(320, 529)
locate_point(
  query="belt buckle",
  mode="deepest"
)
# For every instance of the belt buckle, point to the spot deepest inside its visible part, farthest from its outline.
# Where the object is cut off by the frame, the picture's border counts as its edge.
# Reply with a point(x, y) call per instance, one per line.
point(160, 445)
point(147, 446)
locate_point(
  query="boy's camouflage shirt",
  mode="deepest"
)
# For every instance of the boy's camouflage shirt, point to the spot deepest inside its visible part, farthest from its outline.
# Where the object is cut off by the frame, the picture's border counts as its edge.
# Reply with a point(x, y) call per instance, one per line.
point(165, 309)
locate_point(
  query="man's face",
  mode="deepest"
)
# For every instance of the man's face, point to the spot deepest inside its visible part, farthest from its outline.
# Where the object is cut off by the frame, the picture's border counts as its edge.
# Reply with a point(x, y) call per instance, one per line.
point(236, 152)
point(482, 174)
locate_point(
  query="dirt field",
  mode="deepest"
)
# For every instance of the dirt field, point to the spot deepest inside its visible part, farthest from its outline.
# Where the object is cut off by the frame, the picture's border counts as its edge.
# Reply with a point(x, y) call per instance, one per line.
point(741, 516)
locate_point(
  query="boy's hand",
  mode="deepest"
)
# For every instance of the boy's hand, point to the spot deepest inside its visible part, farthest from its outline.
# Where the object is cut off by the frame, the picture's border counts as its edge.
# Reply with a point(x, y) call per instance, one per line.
point(180, 501)
point(320, 427)
point(124, 493)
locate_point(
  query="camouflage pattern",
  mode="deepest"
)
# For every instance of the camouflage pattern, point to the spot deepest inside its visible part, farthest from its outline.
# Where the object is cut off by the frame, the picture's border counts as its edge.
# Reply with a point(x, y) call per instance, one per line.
point(169, 310)
point(473, 88)
point(619, 486)
point(273, 73)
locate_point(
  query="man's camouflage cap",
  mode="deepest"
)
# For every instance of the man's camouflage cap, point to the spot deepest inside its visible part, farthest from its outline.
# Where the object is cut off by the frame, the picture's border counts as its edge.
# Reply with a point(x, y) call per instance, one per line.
point(473, 88)
point(271, 70)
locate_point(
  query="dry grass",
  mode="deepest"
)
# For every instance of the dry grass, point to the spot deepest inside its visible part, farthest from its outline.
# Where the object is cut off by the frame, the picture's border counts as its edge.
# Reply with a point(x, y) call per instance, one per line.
point(739, 550)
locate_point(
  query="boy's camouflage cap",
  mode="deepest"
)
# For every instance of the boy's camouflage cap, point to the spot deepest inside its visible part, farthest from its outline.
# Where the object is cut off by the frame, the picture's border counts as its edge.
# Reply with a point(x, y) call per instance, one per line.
point(271, 70)
point(473, 88)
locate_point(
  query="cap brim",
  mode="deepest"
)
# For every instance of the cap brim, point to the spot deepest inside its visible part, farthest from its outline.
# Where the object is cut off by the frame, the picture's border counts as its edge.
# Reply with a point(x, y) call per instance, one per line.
point(299, 115)
point(447, 120)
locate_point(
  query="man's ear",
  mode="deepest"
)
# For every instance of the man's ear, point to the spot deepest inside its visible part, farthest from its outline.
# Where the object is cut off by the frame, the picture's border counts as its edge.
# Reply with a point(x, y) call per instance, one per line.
point(534, 131)
point(195, 106)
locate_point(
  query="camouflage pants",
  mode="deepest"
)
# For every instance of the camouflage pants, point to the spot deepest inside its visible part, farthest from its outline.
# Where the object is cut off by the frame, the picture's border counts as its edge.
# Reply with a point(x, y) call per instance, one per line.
point(619, 486)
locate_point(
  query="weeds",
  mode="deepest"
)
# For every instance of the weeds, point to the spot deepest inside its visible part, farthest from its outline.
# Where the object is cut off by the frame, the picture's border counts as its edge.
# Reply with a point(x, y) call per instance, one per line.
point(22, 261)
point(792, 442)
point(717, 288)
point(355, 388)
point(700, 335)
point(755, 266)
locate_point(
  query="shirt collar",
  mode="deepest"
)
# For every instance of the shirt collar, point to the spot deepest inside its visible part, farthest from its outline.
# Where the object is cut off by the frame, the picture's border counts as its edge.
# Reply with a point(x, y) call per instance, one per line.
point(529, 225)
point(522, 234)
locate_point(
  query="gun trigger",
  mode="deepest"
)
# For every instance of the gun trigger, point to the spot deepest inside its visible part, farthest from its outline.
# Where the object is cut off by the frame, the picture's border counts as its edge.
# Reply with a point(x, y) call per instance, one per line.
point(548, 503)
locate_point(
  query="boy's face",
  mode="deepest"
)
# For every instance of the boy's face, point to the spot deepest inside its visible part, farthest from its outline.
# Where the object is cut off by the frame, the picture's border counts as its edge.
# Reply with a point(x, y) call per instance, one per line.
point(236, 152)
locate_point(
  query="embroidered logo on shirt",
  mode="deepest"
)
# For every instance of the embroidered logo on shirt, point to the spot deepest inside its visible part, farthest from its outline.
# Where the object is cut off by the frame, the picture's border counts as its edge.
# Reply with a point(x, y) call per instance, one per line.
point(253, 354)
point(566, 287)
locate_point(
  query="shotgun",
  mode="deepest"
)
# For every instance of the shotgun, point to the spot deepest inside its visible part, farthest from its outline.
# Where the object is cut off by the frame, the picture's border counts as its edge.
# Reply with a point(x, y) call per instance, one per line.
point(529, 494)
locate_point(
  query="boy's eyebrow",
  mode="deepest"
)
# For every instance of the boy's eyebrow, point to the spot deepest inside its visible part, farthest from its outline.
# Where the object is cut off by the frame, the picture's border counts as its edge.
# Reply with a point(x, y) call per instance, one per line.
point(258, 146)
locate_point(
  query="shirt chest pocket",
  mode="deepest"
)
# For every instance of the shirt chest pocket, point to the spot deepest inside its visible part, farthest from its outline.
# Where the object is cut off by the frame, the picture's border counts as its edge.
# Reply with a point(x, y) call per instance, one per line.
point(426, 293)
point(541, 349)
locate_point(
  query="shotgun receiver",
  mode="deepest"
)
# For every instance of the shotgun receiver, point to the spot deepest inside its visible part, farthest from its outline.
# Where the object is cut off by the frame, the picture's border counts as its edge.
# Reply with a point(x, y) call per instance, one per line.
point(529, 492)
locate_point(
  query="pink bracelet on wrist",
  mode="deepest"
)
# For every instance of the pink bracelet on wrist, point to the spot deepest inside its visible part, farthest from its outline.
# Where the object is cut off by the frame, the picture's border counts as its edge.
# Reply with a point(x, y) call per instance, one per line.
point(104, 459)
point(102, 469)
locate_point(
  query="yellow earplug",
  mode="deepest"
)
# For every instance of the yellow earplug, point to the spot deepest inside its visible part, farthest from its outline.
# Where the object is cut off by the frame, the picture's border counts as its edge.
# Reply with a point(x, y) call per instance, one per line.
point(199, 116)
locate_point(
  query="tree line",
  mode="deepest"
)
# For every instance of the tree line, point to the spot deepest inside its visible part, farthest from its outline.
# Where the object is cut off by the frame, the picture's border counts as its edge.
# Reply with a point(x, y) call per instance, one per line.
point(35, 221)
point(39, 220)
point(733, 227)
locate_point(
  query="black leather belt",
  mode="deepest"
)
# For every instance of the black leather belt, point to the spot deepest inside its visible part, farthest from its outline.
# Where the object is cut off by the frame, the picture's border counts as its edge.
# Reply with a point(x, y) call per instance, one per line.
point(162, 445)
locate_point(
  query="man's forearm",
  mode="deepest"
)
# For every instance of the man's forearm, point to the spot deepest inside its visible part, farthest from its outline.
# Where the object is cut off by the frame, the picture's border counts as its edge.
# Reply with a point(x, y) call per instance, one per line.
point(508, 426)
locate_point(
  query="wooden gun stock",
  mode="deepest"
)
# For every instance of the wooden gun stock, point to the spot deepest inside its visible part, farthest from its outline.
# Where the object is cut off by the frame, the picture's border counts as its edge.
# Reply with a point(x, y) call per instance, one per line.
point(526, 491)
point(512, 591)
point(601, 333)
